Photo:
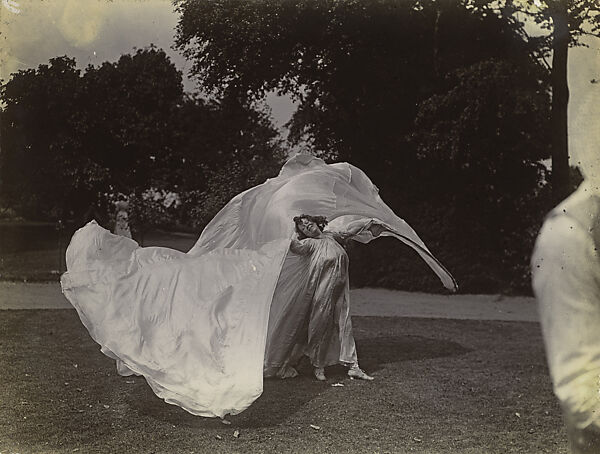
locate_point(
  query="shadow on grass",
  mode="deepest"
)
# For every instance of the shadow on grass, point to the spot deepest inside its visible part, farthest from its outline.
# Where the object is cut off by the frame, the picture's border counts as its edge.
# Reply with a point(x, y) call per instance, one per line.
point(60, 394)
point(95, 376)
point(376, 352)
point(283, 398)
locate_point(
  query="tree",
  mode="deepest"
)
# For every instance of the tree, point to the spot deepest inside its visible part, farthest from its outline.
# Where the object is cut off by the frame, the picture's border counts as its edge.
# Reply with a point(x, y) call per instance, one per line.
point(419, 94)
point(131, 111)
point(567, 21)
point(42, 159)
point(70, 137)
point(66, 136)
point(489, 132)
point(227, 147)
point(357, 68)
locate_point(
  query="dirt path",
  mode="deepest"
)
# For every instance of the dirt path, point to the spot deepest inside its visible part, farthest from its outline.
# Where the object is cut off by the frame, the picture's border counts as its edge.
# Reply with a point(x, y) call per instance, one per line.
point(395, 303)
point(365, 301)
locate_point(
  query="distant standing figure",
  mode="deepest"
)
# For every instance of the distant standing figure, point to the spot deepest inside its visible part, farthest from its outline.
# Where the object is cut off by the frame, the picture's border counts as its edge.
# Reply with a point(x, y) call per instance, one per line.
point(122, 218)
point(566, 282)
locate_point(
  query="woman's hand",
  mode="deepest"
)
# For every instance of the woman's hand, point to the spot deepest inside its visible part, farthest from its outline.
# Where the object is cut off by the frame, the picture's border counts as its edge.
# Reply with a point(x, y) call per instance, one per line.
point(372, 225)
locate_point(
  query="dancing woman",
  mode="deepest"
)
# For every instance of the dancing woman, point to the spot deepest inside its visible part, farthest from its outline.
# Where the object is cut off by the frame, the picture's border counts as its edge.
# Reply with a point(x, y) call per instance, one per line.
point(204, 327)
point(319, 316)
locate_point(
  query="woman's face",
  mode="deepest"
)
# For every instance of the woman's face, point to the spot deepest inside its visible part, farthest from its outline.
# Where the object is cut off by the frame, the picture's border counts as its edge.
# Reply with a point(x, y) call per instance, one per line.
point(309, 228)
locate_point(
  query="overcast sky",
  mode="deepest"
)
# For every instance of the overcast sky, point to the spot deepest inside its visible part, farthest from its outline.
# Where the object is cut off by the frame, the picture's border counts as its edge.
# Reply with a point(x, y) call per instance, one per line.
point(94, 31)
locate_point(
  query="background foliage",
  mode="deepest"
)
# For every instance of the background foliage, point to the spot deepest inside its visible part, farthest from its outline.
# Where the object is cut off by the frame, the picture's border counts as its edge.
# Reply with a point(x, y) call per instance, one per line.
point(71, 140)
point(446, 105)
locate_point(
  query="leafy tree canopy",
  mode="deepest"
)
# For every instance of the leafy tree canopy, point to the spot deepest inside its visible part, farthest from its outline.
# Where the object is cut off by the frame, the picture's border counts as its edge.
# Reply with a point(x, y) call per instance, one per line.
point(359, 69)
point(444, 104)
point(124, 126)
point(567, 21)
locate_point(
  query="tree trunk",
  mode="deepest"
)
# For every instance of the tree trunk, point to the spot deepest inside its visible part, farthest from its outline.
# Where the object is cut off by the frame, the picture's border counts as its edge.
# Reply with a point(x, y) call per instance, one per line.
point(436, 42)
point(560, 100)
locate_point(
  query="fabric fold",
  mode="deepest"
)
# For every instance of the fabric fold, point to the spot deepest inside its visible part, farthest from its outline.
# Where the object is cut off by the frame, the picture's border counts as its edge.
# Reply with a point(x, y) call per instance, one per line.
point(196, 324)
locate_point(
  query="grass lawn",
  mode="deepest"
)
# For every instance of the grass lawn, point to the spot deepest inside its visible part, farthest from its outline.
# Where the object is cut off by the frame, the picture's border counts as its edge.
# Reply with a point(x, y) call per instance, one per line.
point(442, 386)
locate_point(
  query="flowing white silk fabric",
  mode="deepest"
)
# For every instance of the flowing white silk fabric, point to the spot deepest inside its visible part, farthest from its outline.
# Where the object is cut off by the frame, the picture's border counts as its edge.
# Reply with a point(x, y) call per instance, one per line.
point(341, 192)
point(195, 324)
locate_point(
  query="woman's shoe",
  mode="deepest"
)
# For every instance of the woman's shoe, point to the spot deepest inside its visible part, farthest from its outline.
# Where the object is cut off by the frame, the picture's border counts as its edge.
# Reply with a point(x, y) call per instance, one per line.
point(357, 372)
point(319, 373)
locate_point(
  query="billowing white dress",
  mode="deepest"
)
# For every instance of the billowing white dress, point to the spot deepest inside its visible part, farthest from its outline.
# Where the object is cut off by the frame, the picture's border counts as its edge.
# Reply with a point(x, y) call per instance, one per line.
point(196, 324)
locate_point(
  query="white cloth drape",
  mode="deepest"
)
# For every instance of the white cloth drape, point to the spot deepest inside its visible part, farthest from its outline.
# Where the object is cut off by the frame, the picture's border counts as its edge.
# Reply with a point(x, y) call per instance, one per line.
point(195, 324)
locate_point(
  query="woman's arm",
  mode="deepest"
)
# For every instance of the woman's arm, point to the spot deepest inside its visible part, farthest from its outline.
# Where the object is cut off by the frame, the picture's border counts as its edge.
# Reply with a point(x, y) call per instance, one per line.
point(303, 247)
point(357, 227)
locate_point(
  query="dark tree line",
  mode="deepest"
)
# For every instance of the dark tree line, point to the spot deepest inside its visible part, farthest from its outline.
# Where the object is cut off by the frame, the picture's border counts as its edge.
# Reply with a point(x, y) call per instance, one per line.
point(566, 22)
point(445, 104)
point(72, 137)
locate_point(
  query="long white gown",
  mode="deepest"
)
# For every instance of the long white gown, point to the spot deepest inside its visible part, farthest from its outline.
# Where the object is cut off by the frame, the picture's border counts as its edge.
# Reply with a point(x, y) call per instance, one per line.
point(195, 324)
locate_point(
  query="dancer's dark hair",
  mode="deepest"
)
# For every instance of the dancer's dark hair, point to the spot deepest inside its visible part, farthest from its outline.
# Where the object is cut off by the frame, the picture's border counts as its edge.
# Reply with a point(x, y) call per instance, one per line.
point(321, 222)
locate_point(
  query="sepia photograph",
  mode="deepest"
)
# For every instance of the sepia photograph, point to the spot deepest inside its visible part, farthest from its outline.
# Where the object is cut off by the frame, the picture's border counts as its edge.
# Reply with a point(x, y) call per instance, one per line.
point(300, 226)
